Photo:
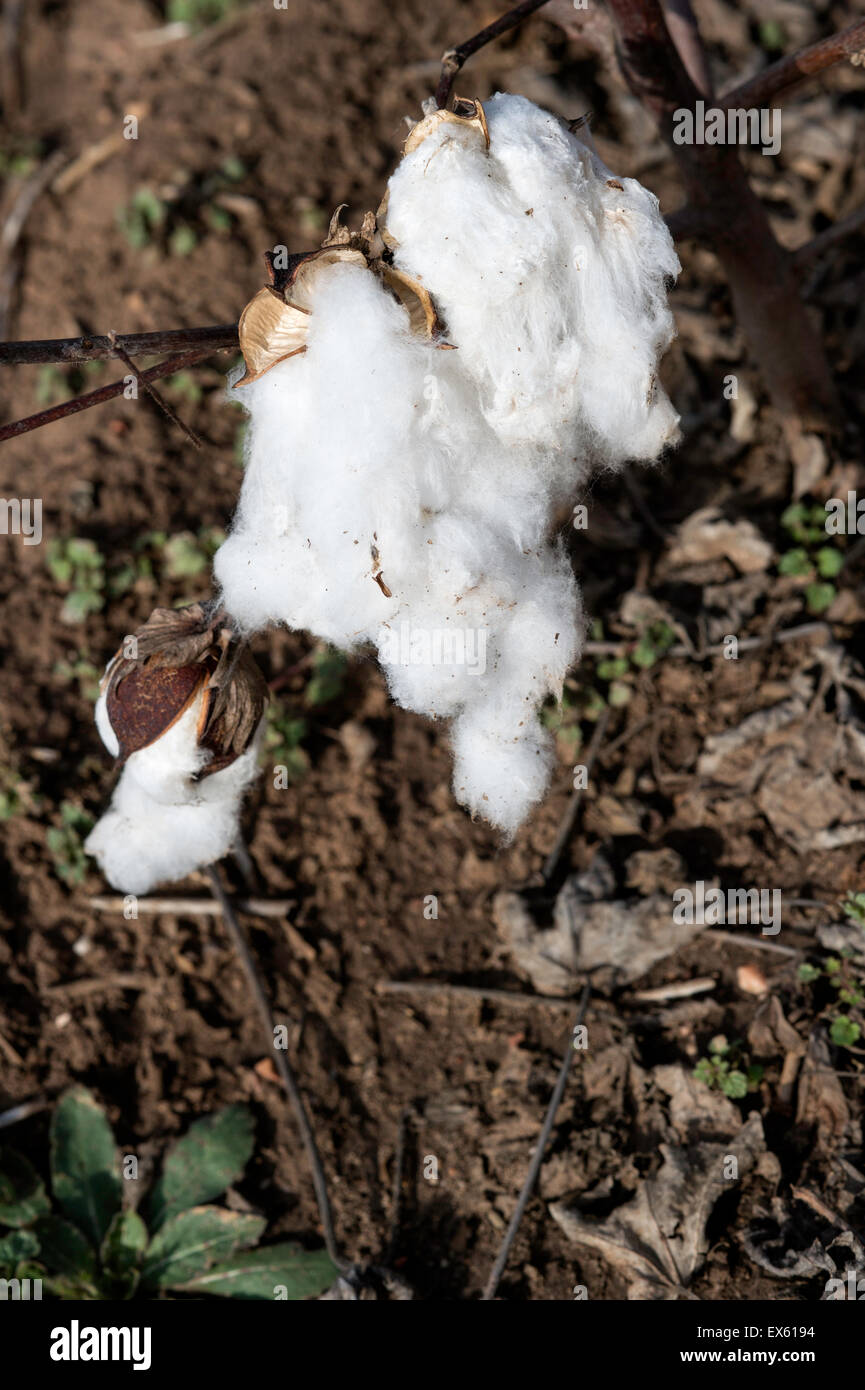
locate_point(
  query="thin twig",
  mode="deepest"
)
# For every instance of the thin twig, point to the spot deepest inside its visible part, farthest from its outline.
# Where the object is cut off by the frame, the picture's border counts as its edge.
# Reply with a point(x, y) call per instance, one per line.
point(444, 987)
point(259, 996)
point(99, 396)
point(454, 58)
point(93, 347)
point(805, 255)
point(752, 943)
point(781, 77)
point(13, 226)
point(677, 989)
point(569, 820)
point(744, 644)
point(193, 907)
point(537, 1158)
point(685, 33)
point(99, 984)
point(152, 392)
point(23, 1111)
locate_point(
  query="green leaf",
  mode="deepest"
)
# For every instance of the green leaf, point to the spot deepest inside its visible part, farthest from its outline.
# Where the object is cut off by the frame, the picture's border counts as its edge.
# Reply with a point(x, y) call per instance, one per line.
point(124, 1244)
point(808, 973)
point(211, 1155)
point(644, 653)
point(329, 667)
point(194, 1240)
point(84, 1166)
point(844, 1031)
point(22, 1191)
point(735, 1085)
point(796, 562)
point(278, 1271)
point(619, 694)
point(17, 1246)
point(64, 1250)
point(829, 561)
point(819, 597)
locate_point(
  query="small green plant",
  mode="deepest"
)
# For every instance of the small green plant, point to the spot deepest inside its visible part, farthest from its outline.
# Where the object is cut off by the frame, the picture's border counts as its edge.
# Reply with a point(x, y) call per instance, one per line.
point(812, 557)
point(722, 1069)
point(199, 13)
point(283, 738)
point(54, 384)
point(77, 566)
point(78, 668)
point(328, 675)
point(854, 907)
point(89, 1244)
point(847, 979)
point(66, 843)
point(142, 220)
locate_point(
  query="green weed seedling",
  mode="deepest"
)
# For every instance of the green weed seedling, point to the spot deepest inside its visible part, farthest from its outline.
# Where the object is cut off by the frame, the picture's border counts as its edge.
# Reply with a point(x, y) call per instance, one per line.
point(812, 557)
point(723, 1070)
point(77, 566)
point(66, 843)
point(85, 1242)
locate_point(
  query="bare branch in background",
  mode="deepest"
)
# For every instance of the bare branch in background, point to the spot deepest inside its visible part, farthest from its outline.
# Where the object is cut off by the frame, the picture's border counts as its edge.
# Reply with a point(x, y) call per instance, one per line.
point(454, 58)
point(89, 348)
point(732, 218)
point(787, 73)
point(99, 396)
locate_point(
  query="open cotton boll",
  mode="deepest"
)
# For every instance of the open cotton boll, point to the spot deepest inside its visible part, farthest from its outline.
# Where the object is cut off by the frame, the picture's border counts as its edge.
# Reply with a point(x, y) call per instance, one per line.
point(551, 277)
point(147, 837)
point(330, 495)
point(183, 709)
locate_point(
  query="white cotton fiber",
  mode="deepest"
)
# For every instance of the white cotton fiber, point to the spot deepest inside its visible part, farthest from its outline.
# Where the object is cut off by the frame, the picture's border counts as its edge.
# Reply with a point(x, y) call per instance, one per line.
point(400, 492)
point(162, 824)
point(550, 274)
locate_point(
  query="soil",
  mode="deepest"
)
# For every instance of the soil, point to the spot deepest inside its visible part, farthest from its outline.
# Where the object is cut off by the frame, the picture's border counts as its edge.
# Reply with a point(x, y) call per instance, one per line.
point(250, 132)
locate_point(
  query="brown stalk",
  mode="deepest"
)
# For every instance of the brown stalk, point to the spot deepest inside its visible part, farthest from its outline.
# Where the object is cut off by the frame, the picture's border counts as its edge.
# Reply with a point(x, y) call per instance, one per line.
point(152, 392)
point(88, 348)
point(761, 274)
point(99, 396)
point(781, 77)
point(454, 58)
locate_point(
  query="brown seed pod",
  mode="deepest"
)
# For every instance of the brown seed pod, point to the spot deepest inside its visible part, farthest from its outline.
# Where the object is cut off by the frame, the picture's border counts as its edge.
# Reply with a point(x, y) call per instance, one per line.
point(147, 701)
point(274, 324)
point(184, 654)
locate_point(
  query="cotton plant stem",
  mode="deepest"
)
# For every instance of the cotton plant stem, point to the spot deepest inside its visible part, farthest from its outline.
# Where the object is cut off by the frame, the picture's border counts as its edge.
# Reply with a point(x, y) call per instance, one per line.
point(92, 348)
point(566, 829)
point(154, 395)
point(99, 396)
point(259, 996)
point(454, 58)
point(731, 217)
point(537, 1158)
point(782, 77)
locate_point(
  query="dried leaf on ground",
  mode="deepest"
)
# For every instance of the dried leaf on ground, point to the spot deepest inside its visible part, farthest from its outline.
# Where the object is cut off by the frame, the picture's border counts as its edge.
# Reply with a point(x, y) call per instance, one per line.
point(657, 1241)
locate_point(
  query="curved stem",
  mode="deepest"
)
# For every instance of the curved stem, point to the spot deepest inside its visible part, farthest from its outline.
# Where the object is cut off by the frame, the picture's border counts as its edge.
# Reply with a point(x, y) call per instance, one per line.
point(289, 1080)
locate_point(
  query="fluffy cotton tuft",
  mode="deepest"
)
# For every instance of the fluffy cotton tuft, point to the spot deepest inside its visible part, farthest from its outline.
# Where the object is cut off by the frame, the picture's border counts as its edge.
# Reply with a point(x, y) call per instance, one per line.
point(162, 824)
point(402, 493)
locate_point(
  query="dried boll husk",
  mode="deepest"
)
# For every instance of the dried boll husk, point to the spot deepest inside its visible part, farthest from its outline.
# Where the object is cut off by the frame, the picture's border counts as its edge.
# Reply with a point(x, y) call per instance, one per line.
point(466, 114)
point(274, 326)
point(184, 660)
point(184, 717)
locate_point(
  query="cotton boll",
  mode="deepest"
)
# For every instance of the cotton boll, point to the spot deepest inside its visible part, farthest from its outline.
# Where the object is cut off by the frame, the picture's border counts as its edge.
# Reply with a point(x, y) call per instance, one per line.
point(330, 497)
point(551, 277)
point(400, 491)
point(143, 840)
